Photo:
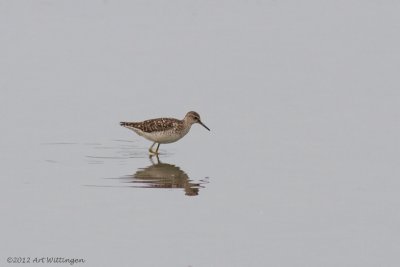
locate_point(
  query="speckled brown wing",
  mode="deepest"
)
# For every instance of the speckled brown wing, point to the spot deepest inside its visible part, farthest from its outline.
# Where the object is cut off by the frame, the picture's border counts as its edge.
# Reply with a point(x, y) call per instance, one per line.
point(154, 125)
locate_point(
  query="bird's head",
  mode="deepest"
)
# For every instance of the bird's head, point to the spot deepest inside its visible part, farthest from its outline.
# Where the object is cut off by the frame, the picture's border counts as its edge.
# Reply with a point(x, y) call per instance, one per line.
point(193, 117)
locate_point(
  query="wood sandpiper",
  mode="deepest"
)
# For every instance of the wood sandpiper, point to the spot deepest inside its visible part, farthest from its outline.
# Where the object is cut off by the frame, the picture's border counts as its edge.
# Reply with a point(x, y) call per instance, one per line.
point(164, 130)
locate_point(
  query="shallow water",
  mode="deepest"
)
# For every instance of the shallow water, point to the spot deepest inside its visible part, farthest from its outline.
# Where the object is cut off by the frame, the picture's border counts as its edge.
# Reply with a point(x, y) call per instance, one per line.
point(300, 167)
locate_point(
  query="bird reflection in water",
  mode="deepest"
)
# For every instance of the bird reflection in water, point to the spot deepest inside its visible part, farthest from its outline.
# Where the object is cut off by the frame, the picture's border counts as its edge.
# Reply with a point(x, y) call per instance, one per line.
point(164, 175)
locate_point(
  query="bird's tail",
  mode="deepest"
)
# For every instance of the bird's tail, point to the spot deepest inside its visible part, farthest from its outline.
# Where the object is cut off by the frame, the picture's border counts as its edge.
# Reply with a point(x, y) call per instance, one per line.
point(129, 125)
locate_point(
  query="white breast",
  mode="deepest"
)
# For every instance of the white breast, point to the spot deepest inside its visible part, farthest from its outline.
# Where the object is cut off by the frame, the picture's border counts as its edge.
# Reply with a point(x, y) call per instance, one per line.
point(163, 137)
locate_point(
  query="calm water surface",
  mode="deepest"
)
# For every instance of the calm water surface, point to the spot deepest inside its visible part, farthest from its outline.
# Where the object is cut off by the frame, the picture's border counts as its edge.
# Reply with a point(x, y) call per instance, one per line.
point(301, 167)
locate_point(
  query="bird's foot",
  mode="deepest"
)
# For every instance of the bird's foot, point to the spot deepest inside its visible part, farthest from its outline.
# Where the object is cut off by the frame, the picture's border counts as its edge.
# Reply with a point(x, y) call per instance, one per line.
point(153, 153)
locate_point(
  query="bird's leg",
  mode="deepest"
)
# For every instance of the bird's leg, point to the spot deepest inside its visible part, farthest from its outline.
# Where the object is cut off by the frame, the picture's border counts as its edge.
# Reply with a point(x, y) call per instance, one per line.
point(151, 148)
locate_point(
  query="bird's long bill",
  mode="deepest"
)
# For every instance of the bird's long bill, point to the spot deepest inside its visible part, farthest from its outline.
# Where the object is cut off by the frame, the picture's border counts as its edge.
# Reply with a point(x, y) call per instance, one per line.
point(204, 125)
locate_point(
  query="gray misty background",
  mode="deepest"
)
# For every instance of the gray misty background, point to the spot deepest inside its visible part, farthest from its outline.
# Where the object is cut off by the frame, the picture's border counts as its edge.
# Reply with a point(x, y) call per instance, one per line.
point(301, 167)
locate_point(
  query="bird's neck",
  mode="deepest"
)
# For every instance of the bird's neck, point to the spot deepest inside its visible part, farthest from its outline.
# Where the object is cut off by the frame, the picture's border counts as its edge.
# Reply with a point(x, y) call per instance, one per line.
point(186, 124)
